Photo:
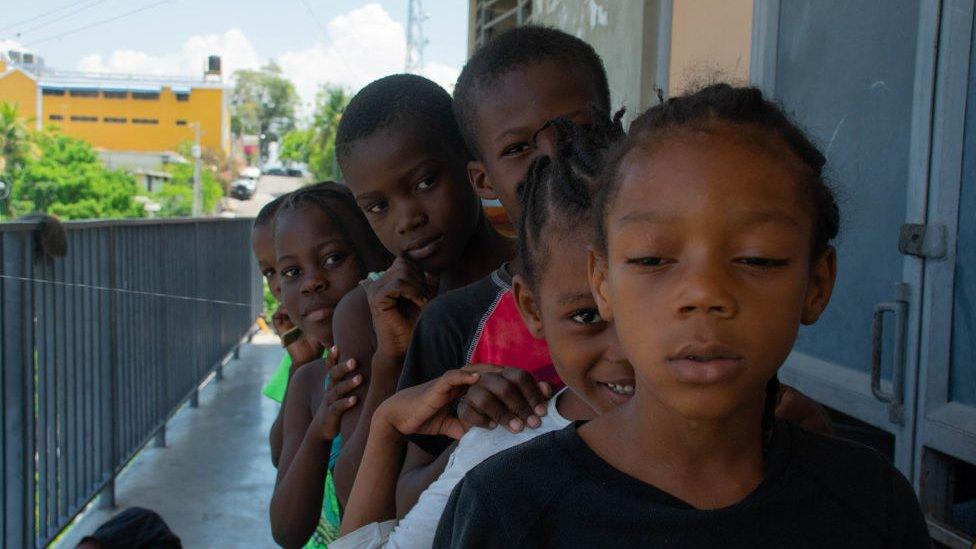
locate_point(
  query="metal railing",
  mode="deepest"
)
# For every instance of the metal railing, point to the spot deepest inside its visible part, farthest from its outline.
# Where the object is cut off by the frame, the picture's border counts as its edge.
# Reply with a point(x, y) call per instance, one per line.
point(99, 348)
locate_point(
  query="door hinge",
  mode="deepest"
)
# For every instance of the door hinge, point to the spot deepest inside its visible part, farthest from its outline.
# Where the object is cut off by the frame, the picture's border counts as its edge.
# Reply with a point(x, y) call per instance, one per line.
point(927, 241)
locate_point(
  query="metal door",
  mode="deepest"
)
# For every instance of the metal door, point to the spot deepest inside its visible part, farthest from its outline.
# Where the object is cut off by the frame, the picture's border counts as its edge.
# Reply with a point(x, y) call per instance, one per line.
point(858, 77)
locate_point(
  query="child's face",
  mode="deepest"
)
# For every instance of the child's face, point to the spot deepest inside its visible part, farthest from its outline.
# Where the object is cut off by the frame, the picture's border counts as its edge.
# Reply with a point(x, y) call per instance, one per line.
point(509, 115)
point(415, 195)
point(583, 346)
point(708, 274)
point(262, 245)
point(316, 265)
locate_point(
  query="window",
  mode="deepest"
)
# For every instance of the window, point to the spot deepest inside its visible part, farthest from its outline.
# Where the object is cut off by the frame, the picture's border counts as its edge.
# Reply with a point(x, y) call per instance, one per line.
point(84, 119)
point(114, 120)
point(181, 122)
point(115, 94)
point(83, 93)
point(148, 96)
point(55, 117)
point(182, 96)
point(152, 121)
point(49, 91)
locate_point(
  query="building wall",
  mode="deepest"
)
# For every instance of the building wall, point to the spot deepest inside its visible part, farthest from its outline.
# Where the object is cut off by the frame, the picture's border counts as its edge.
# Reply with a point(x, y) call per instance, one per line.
point(710, 41)
point(205, 105)
point(17, 87)
point(623, 32)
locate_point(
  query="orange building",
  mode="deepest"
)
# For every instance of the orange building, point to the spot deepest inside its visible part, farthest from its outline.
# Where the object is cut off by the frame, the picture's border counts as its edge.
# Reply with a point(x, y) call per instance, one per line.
point(120, 112)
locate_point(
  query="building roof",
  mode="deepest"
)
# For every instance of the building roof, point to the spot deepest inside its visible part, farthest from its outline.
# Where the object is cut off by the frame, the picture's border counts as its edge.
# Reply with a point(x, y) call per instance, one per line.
point(77, 80)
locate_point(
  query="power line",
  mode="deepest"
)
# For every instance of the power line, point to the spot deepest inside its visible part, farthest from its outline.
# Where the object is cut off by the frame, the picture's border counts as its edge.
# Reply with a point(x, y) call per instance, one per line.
point(96, 23)
point(322, 28)
point(80, 9)
point(39, 16)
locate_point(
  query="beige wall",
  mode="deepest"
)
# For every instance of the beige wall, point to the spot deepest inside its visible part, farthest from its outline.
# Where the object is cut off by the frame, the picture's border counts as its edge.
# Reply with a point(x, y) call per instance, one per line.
point(710, 41)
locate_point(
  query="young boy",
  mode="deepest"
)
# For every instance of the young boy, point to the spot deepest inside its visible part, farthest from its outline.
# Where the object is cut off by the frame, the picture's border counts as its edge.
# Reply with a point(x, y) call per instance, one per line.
point(404, 160)
point(505, 97)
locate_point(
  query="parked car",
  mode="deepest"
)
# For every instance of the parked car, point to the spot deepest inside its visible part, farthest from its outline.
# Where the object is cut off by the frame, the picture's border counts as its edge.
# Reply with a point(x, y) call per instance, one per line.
point(251, 172)
point(243, 189)
point(274, 169)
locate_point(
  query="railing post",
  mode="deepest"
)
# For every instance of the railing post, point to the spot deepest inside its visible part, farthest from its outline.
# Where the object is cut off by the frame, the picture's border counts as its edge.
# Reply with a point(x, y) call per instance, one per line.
point(219, 372)
point(106, 498)
point(195, 398)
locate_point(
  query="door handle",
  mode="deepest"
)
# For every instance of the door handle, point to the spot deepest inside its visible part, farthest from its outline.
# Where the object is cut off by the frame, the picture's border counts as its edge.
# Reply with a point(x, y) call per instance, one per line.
point(898, 309)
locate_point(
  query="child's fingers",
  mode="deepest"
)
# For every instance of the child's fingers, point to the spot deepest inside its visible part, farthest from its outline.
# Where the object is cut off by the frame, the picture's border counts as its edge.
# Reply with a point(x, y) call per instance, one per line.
point(483, 368)
point(506, 388)
point(531, 394)
point(470, 415)
point(335, 411)
point(342, 388)
point(487, 403)
point(340, 370)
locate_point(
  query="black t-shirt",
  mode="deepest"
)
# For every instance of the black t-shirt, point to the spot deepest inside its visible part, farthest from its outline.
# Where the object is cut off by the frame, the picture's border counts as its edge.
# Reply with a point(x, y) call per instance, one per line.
point(554, 491)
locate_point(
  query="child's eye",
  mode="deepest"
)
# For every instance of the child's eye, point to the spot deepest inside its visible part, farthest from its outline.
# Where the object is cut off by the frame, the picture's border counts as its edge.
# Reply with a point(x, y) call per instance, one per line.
point(763, 262)
point(647, 261)
point(290, 272)
point(517, 148)
point(332, 260)
point(377, 207)
point(587, 316)
point(268, 273)
point(425, 184)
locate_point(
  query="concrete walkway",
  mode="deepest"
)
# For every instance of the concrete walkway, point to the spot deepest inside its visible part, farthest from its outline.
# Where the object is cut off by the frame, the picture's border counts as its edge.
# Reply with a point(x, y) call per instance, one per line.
point(213, 482)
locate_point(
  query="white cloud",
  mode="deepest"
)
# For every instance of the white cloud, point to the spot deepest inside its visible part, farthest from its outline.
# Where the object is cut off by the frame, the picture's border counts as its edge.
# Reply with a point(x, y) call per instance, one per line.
point(358, 47)
point(7, 44)
point(235, 50)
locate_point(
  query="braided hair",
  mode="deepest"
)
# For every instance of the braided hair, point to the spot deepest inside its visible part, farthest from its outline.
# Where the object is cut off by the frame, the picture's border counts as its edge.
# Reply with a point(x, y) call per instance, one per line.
point(558, 192)
point(744, 106)
point(268, 211)
point(337, 203)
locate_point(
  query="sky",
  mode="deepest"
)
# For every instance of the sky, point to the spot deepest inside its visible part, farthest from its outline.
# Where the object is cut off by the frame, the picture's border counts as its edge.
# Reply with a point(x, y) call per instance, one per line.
point(347, 42)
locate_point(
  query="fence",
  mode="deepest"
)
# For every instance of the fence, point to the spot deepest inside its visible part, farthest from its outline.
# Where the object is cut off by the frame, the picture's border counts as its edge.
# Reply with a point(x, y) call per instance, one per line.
point(99, 348)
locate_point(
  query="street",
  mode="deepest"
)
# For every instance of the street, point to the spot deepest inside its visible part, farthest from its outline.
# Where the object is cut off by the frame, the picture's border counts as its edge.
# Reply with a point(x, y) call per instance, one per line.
point(269, 188)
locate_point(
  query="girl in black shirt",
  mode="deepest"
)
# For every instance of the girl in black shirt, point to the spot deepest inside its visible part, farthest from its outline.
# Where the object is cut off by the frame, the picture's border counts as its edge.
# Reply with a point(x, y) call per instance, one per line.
point(713, 246)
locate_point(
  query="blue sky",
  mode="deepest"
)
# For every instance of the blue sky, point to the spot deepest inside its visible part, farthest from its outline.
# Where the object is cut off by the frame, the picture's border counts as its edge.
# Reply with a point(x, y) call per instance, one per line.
point(347, 41)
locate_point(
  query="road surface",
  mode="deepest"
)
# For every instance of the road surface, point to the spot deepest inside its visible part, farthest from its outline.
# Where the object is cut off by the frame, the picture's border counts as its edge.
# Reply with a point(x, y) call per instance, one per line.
point(269, 188)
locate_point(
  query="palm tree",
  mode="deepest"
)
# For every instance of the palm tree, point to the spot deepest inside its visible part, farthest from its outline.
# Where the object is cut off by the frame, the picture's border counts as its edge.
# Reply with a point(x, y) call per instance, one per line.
point(330, 102)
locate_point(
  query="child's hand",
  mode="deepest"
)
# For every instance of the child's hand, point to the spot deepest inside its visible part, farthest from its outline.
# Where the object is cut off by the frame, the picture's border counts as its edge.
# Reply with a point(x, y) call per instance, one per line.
point(335, 402)
point(301, 351)
point(426, 409)
point(505, 396)
point(395, 301)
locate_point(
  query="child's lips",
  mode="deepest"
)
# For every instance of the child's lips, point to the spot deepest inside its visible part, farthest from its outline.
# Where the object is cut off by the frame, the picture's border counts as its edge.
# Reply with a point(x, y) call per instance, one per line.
point(618, 391)
point(319, 314)
point(425, 247)
point(705, 370)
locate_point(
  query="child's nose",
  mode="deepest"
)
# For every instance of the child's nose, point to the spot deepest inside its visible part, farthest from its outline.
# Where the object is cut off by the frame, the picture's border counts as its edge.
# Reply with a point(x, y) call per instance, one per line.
point(316, 282)
point(411, 217)
point(704, 290)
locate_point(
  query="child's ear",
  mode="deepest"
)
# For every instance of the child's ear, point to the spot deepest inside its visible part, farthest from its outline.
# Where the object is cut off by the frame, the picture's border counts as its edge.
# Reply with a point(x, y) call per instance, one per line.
point(596, 266)
point(823, 273)
point(479, 179)
point(527, 306)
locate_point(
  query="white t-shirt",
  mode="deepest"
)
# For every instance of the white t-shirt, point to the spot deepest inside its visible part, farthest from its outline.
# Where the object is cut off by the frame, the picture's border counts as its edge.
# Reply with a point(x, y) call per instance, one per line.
point(417, 529)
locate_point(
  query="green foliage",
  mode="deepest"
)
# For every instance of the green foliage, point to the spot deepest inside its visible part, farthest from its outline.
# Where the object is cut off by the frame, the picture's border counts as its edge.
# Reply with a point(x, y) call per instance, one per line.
point(176, 196)
point(16, 147)
point(315, 144)
point(270, 303)
point(263, 103)
point(68, 180)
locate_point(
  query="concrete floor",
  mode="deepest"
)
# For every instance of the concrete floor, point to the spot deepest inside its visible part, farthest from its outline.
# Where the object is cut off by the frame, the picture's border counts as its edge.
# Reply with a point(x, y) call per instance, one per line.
point(213, 482)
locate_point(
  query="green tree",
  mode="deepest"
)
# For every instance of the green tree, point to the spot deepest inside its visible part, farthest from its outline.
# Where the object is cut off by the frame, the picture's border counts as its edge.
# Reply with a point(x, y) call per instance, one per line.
point(67, 179)
point(176, 197)
point(263, 103)
point(315, 144)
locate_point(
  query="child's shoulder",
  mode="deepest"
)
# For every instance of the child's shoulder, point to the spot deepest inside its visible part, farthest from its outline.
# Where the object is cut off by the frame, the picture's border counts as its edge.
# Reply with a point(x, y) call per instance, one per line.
point(461, 302)
point(856, 477)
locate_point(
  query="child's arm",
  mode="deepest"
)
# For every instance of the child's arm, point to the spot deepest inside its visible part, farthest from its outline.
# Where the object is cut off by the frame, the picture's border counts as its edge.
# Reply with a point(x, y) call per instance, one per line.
point(393, 304)
point(297, 500)
point(419, 410)
point(419, 470)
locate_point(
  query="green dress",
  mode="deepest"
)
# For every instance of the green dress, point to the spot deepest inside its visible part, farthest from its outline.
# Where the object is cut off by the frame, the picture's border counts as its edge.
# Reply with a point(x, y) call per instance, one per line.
point(327, 530)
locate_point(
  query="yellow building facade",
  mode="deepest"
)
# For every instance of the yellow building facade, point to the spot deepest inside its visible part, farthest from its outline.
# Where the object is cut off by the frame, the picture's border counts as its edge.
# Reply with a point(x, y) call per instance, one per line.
point(122, 112)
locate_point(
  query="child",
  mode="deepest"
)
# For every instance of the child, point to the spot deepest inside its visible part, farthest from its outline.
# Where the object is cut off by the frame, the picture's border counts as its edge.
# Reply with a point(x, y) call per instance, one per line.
point(554, 299)
point(506, 95)
point(301, 350)
point(713, 247)
point(405, 162)
point(324, 247)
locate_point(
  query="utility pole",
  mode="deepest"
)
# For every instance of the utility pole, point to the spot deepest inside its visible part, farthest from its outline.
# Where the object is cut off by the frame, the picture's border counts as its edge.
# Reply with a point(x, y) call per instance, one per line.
point(197, 201)
point(414, 62)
